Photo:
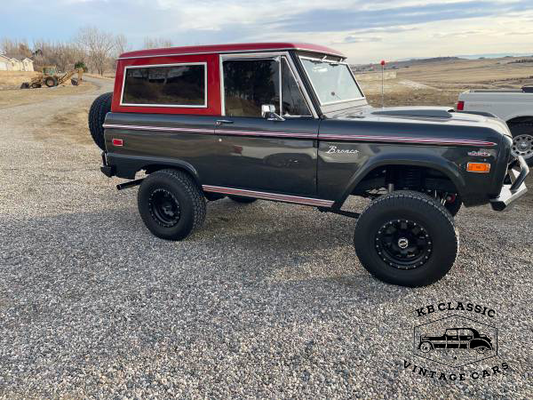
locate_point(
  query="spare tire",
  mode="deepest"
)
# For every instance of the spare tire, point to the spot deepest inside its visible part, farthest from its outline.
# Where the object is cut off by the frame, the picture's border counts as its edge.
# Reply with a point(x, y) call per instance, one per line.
point(99, 109)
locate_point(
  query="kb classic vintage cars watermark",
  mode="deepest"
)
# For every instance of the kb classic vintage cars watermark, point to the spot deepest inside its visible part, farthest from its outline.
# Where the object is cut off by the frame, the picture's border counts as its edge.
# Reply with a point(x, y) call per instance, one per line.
point(452, 335)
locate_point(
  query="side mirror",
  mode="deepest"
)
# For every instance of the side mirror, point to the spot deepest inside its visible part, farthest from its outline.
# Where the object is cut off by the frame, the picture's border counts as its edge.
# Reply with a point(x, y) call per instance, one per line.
point(268, 111)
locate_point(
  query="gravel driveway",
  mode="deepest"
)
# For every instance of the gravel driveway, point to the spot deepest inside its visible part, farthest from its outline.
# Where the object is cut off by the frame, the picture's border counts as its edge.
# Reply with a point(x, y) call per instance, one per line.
point(266, 300)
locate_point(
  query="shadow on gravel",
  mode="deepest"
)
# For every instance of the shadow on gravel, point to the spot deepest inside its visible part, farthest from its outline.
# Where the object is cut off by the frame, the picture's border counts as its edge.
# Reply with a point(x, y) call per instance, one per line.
point(236, 246)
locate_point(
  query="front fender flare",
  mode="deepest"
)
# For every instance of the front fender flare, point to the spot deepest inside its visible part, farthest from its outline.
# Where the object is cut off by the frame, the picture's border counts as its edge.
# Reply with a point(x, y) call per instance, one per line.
point(479, 343)
point(446, 167)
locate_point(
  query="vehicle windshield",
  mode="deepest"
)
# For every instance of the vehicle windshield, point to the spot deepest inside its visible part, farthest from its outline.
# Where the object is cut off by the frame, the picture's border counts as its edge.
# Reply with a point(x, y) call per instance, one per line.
point(332, 81)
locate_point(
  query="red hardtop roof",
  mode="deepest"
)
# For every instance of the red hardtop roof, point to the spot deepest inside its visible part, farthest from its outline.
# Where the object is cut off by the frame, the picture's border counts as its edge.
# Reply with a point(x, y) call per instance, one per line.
point(230, 48)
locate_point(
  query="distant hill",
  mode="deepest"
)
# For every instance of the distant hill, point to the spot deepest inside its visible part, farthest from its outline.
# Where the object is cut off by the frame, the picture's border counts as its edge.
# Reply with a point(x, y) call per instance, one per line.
point(403, 63)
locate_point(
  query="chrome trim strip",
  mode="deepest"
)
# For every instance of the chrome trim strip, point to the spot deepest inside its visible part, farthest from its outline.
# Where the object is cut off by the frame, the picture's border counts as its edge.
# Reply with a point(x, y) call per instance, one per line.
point(395, 139)
point(206, 94)
point(159, 128)
point(269, 196)
point(222, 131)
point(233, 52)
point(303, 135)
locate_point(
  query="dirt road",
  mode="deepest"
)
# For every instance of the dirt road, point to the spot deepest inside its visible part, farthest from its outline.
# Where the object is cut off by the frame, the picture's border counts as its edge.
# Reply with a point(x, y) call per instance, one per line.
point(266, 300)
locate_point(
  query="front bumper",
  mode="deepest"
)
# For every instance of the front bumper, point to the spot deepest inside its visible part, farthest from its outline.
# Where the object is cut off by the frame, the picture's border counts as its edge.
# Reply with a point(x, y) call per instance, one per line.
point(517, 174)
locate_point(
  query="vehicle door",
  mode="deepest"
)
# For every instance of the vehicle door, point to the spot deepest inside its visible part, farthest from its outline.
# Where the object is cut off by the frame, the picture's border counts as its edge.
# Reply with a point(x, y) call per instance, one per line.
point(465, 337)
point(452, 339)
point(274, 152)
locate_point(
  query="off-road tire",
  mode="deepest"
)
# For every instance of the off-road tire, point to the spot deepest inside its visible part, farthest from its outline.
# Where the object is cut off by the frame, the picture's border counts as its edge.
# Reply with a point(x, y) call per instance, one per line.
point(524, 129)
point(419, 209)
point(50, 82)
point(99, 109)
point(180, 185)
point(74, 82)
point(241, 199)
point(25, 85)
point(35, 85)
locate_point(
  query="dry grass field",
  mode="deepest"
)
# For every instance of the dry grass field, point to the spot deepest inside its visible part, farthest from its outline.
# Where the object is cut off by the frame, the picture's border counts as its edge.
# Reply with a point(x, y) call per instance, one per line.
point(11, 95)
point(17, 97)
point(13, 79)
point(440, 83)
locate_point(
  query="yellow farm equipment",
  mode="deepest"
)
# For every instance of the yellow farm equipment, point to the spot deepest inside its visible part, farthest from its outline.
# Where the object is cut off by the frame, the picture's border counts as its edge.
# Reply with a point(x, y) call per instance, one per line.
point(49, 77)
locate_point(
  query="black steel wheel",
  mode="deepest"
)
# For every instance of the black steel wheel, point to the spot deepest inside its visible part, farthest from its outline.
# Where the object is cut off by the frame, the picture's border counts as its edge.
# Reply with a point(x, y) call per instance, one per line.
point(171, 204)
point(164, 208)
point(406, 238)
point(404, 244)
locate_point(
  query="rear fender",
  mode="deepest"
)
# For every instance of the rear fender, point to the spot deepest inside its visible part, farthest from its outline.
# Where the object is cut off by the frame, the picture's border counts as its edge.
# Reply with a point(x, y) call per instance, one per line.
point(127, 165)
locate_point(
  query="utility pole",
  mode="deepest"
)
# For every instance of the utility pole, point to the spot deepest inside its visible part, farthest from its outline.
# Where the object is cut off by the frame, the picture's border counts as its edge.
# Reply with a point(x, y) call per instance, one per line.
point(382, 83)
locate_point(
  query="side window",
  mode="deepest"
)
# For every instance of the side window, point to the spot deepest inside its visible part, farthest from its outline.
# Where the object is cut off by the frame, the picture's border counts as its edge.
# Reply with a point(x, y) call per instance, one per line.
point(170, 86)
point(249, 84)
point(466, 332)
point(293, 100)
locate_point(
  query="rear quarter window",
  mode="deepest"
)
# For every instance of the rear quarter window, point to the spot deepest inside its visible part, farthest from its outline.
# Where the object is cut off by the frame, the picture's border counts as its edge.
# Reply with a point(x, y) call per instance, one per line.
point(181, 85)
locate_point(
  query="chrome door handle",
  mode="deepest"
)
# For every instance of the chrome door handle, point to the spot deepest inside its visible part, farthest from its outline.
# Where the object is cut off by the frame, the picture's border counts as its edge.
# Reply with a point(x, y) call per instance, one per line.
point(224, 121)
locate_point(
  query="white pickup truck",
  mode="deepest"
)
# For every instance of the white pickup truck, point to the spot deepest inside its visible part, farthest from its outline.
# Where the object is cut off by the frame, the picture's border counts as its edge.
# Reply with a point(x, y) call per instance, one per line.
point(513, 106)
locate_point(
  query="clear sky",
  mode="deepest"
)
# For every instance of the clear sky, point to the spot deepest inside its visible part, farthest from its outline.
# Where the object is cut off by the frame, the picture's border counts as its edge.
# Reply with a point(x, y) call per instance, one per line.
point(365, 30)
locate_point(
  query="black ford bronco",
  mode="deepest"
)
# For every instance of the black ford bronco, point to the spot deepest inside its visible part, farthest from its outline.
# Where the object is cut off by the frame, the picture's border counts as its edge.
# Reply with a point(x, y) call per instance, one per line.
point(288, 122)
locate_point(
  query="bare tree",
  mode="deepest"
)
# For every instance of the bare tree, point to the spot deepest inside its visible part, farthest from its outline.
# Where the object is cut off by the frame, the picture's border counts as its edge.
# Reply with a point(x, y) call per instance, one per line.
point(155, 43)
point(121, 44)
point(15, 48)
point(63, 55)
point(98, 46)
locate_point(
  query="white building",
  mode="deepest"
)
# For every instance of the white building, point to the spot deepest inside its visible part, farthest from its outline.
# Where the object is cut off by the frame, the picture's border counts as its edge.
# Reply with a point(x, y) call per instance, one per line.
point(15, 64)
point(5, 63)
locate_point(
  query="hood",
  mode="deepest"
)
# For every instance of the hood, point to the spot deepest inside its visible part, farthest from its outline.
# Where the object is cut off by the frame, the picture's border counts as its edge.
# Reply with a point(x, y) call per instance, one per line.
point(424, 115)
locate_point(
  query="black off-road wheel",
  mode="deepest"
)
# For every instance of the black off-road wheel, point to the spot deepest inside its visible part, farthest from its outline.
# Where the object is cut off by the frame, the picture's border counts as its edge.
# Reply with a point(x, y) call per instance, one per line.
point(171, 204)
point(99, 109)
point(25, 85)
point(35, 85)
point(523, 141)
point(50, 81)
point(406, 238)
point(241, 199)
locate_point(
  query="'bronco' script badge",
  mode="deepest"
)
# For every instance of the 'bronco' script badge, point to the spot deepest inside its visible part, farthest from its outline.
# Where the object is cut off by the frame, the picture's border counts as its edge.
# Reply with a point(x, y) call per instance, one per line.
point(335, 150)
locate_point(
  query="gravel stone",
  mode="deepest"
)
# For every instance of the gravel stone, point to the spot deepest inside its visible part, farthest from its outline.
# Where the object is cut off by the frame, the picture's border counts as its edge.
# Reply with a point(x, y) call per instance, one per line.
point(265, 300)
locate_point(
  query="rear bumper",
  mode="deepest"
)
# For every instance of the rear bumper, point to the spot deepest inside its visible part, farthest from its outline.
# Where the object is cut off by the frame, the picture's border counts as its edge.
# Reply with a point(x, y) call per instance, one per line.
point(517, 174)
point(107, 170)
